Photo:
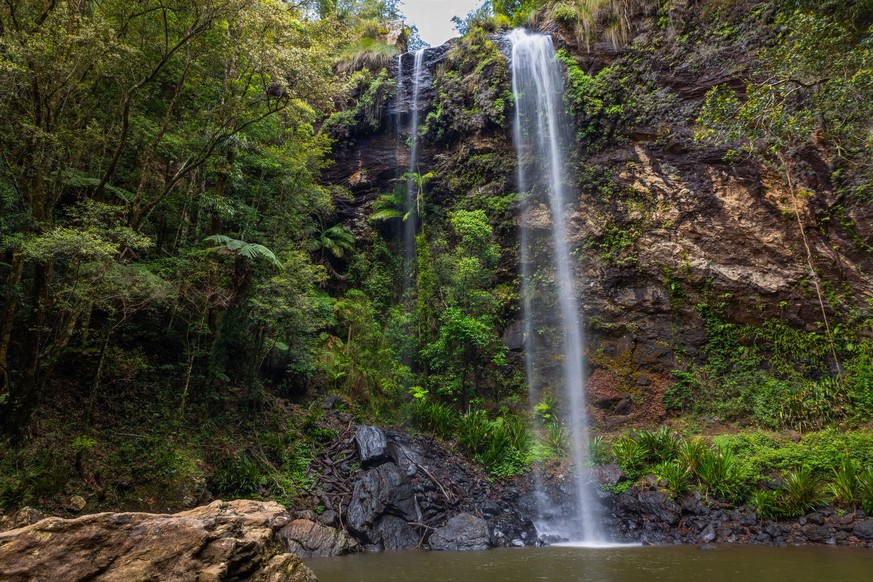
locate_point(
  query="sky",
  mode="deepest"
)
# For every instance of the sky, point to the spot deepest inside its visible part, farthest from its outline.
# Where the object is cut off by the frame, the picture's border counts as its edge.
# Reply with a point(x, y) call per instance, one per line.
point(433, 17)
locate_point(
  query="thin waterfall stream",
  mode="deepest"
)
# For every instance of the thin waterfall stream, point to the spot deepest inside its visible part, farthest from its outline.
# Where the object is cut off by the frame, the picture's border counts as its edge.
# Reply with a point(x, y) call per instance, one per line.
point(411, 203)
point(542, 146)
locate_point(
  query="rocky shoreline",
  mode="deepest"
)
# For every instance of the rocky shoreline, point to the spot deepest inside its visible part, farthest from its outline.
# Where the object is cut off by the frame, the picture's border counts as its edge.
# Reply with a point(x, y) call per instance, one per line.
point(413, 492)
point(396, 492)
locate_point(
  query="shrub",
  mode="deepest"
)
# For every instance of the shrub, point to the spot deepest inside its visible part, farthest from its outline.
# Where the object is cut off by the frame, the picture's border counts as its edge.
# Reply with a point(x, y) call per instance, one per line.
point(675, 475)
point(629, 455)
point(690, 452)
point(500, 445)
point(865, 490)
point(239, 475)
point(719, 474)
point(435, 417)
point(801, 492)
point(556, 437)
point(661, 445)
point(598, 451)
point(767, 504)
point(845, 484)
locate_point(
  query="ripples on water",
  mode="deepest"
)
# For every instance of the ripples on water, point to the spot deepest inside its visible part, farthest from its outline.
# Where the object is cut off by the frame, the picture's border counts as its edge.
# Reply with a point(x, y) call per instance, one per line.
point(615, 564)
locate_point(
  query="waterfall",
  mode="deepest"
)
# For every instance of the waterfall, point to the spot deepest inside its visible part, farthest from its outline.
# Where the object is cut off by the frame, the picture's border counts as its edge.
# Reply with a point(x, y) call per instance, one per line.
point(398, 97)
point(541, 143)
point(411, 186)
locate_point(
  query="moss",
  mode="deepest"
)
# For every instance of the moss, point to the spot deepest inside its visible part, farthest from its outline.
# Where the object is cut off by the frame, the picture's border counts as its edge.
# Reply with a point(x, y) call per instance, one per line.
point(473, 91)
point(364, 114)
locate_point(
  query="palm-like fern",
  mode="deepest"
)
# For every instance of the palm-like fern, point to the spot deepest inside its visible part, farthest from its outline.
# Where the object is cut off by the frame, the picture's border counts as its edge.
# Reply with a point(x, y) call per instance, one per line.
point(392, 206)
point(251, 251)
point(389, 207)
point(335, 240)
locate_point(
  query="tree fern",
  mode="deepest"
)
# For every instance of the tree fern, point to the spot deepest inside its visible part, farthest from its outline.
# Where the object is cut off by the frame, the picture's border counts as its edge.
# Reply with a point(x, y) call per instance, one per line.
point(251, 251)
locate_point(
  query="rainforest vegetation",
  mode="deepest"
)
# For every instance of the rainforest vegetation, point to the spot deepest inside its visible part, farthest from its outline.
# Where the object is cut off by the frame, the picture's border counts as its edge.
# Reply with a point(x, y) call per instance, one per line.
point(181, 285)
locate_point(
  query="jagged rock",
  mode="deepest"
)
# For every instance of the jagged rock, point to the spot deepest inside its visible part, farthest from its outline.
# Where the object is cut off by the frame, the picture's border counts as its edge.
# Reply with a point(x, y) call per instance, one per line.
point(462, 532)
point(395, 533)
point(708, 534)
point(382, 504)
point(220, 541)
point(308, 539)
point(658, 504)
point(329, 517)
point(513, 336)
point(609, 475)
point(22, 517)
point(490, 508)
point(864, 529)
point(372, 445)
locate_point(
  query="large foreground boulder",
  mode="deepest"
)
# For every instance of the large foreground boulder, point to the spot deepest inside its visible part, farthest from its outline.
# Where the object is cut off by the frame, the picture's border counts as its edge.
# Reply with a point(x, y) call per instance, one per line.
point(221, 541)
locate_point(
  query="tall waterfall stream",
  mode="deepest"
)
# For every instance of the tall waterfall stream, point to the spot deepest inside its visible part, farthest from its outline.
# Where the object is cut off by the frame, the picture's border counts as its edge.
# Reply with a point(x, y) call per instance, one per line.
point(541, 142)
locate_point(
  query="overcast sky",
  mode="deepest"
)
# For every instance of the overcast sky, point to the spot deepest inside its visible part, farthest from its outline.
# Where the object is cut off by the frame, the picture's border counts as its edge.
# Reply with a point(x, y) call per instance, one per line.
point(433, 17)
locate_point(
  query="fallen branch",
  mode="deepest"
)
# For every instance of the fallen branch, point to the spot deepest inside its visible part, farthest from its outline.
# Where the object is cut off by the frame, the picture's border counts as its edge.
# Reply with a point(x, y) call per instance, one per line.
point(447, 495)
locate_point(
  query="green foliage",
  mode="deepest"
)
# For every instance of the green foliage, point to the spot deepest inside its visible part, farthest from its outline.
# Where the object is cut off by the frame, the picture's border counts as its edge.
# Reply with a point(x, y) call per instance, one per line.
point(865, 490)
point(556, 437)
point(767, 504)
point(364, 115)
point(473, 90)
point(661, 445)
point(630, 456)
point(275, 466)
point(250, 251)
point(778, 375)
point(334, 240)
point(435, 417)
point(845, 486)
point(675, 475)
point(599, 104)
point(822, 451)
point(598, 451)
point(359, 358)
point(719, 474)
point(500, 444)
point(690, 453)
point(593, 20)
point(462, 342)
point(28, 478)
point(801, 492)
point(368, 52)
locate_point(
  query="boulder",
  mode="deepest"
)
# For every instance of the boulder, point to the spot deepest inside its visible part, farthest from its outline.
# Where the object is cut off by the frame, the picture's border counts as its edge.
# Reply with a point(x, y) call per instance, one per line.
point(609, 475)
point(382, 505)
point(372, 445)
point(864, 529)
point(220, 541)
point(394, 533)
point(22, 517)
point(657, 504)
point(309, 539)
point(462, 532)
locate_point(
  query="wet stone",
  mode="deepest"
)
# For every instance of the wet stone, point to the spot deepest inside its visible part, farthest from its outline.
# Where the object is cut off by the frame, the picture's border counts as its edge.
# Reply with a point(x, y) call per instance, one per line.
point(372, 445)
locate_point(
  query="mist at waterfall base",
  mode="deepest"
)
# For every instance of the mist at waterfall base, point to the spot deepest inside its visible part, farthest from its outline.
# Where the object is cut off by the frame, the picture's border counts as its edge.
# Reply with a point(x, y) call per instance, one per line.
point(542, 144)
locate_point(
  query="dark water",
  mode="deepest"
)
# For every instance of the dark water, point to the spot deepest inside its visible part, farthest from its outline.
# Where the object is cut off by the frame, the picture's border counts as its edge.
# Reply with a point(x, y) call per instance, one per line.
point(625, 564)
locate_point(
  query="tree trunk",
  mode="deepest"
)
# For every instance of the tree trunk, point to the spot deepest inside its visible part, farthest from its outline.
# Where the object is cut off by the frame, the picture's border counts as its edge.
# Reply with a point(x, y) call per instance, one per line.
point(7, 322)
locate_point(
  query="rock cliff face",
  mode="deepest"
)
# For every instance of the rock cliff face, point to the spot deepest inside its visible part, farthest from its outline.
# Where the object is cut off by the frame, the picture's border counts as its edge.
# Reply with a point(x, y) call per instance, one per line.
point(662, 223)
point(238, 540)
